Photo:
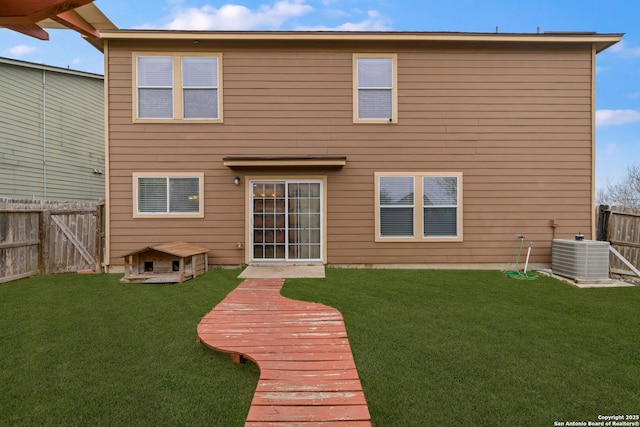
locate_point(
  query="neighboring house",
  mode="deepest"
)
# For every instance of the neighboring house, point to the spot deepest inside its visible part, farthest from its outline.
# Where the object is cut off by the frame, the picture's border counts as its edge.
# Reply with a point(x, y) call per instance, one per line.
point(350, 148)
point(51, 132)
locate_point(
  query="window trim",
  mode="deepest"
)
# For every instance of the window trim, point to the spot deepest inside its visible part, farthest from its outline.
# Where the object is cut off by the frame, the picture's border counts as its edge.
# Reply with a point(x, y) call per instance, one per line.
point(168, 175)
point(394, 89)
point(177, 88)
point(418, 207)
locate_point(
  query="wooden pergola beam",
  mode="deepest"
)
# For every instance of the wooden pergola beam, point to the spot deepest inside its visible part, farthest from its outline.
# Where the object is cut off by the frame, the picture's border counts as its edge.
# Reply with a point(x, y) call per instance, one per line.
point(73, 20)
point(23, 16)
point(31, 30)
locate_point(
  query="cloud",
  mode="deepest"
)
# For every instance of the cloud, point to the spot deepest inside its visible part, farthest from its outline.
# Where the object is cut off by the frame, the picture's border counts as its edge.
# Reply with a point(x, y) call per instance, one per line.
point(373, 22)
point(611, 148)
point(238, 17)
point(21, 50)
point(622, 48)
point(616, 117)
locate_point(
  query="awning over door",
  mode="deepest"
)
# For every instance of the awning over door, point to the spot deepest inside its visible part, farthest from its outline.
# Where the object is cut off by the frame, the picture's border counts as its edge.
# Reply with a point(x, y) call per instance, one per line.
point(285, 161)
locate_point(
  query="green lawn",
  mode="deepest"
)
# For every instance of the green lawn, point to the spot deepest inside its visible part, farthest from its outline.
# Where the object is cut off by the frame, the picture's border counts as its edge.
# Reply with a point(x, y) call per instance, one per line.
point(470, 348)
point(432, 347)
point(86, 350)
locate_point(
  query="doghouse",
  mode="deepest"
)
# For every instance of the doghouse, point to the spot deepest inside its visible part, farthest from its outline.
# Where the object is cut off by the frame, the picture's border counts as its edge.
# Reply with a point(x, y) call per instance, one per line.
point(165, 263)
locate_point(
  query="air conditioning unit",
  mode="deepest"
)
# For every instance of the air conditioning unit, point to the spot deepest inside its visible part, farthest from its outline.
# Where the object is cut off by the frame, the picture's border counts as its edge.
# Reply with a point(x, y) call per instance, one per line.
point(580, 259)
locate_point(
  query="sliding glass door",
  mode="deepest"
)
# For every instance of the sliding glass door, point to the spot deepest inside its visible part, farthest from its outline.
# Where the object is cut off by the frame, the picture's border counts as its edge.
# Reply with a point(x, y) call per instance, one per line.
point(286, 220)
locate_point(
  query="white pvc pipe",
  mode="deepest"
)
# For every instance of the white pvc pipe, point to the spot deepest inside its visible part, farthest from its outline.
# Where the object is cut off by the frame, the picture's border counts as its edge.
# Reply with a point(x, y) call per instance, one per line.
point(526, 264)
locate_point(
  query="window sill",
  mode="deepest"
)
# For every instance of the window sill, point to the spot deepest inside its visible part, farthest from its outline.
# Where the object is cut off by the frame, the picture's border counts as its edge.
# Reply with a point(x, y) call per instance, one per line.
point(184, 121)
point(457, 239)
point(375, 121)
point(168, 215)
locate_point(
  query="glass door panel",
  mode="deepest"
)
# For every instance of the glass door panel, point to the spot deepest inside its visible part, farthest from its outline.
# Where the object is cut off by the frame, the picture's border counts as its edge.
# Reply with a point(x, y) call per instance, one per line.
point(269, 220)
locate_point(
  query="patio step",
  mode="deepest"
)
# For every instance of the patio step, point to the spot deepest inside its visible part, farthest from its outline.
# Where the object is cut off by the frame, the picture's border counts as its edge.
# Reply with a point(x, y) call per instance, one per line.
point(307, 372)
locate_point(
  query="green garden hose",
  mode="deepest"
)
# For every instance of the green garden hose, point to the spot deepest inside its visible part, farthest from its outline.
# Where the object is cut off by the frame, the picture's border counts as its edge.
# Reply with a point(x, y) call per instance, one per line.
point(517, 274)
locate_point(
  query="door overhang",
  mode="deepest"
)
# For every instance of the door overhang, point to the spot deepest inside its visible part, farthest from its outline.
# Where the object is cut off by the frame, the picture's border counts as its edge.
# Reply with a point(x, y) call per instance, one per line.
point(284, 161)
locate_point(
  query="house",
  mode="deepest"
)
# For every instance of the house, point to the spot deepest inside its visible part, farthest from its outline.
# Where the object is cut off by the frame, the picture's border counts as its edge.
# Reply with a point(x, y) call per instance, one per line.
point(51, 132)
point(350, 148)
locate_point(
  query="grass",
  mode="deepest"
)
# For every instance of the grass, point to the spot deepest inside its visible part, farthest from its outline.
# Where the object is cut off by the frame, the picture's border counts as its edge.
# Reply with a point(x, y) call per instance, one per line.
point(475, 348)
point(432, 348)
point(79, 350)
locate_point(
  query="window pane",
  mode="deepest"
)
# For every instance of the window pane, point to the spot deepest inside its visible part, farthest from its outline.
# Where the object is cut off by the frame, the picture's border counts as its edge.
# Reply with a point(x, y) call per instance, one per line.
point(152, 195)
point(155, 103)
point(200, 104)
point(155, 71)
point(396, 222)
point(440, 222)
point(184, 195)
point(396, 190)
point(375, 72)
point(396, 206)
point(375, 104)
point(200, 72)
point(440, 190)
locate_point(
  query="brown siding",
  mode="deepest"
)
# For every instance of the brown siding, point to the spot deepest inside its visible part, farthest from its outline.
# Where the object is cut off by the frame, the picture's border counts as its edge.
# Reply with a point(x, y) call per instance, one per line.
point(515, 120)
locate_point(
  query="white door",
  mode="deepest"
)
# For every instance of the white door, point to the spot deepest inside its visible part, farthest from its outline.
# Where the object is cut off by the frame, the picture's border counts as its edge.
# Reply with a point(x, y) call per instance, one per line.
point(286, 220)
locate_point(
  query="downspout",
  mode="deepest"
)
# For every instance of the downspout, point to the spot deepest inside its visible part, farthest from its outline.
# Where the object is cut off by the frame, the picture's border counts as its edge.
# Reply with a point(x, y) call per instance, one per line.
point(106, 256)
point(593, 143)
point(44, 134)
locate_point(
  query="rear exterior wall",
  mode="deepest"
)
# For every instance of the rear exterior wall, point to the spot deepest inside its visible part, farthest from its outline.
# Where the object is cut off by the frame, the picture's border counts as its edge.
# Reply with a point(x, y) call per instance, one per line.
point(515, 120)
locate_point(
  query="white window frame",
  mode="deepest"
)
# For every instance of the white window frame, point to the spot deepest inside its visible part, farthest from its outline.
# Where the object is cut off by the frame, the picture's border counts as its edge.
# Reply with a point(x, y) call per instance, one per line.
point(168, 176)
point(177, 88)
point(394, 89)
point(418, 207)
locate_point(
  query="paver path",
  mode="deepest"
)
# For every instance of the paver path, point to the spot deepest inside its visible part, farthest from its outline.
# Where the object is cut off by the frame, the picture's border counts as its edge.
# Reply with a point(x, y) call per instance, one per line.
point(307, 373)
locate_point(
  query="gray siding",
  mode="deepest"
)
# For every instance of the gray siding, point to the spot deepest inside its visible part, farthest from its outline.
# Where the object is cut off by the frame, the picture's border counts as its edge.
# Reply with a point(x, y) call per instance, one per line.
point(54, 116)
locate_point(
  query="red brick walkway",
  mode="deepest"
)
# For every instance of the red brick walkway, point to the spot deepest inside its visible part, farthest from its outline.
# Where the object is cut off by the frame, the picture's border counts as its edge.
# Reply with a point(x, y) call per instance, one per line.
point(307, 373)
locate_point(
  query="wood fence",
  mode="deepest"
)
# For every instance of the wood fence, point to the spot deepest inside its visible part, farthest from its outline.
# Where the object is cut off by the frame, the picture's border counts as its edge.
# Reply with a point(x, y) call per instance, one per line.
point(621, 227)
point(38, 237)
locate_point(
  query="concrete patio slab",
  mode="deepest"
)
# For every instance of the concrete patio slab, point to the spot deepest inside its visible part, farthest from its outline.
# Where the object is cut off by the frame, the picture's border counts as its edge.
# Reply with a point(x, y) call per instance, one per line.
point(283, 271)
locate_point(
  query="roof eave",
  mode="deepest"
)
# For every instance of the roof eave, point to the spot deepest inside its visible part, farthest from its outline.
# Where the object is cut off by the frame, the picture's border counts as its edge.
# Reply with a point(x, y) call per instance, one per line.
point(601, 41)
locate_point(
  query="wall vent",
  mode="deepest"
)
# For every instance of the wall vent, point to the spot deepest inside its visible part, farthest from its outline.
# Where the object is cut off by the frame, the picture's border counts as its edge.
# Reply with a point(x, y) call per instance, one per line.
point(580, 259)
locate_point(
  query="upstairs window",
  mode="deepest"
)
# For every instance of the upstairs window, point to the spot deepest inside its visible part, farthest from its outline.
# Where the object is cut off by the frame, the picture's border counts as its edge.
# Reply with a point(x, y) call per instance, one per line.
point(178, 87)
point(375, 81)
point(200, 87)
point(170, 194)
point(155, 87)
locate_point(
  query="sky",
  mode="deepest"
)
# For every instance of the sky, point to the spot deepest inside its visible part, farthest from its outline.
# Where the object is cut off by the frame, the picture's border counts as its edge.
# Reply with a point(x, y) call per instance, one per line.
point(617, 68)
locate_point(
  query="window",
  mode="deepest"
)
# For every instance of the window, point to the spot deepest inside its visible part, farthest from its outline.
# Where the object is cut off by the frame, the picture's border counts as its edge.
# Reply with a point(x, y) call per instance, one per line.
point(178, 87)
point(440, 204)
point(375, 81)
point(399, 218)
point(171, 194)
point(396, 206)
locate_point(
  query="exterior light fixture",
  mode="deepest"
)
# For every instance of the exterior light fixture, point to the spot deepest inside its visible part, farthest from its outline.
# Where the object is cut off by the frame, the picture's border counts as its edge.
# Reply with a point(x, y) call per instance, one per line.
point(236, 180)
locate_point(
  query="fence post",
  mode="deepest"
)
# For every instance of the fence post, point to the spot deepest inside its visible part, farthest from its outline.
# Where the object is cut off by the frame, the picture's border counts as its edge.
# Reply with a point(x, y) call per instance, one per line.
point(99, 231)
point(45, 221)
point(604, 212)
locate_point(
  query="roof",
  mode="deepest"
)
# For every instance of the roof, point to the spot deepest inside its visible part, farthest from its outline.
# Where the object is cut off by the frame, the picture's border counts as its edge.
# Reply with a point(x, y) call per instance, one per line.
point(600, 41)
point(179, 249)
point(31, 16)
point(26, 64)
